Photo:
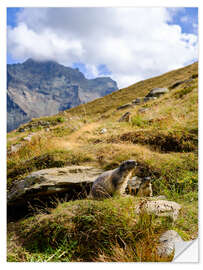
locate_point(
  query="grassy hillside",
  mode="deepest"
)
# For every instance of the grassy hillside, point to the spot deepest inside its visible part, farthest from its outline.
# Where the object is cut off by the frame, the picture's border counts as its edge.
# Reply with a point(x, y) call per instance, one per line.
point(163, 139)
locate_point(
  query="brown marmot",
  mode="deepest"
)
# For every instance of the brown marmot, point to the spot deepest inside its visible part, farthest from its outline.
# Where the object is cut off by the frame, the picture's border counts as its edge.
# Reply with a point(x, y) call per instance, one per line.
point(114, 181)
point(141, 187)
point(145, 189)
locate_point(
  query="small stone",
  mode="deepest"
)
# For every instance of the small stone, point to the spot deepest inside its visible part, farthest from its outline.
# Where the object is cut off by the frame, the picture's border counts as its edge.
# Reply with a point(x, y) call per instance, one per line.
point(103, 130)
point(28, 138)
point(125, 117)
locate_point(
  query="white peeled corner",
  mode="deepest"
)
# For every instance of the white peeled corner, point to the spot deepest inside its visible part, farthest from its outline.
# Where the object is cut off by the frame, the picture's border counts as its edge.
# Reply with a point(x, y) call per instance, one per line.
point(187, 251)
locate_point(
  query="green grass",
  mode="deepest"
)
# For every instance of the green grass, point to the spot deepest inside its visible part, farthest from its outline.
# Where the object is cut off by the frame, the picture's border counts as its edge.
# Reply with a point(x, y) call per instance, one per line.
point(88, 230)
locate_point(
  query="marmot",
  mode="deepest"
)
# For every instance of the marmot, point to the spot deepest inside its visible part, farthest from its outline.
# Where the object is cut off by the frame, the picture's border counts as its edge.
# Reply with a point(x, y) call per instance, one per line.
point(113, 181)
point(145, 189)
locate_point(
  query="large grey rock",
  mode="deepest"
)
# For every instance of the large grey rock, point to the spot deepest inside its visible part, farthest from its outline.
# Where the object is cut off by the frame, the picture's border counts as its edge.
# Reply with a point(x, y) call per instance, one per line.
point(51, 181)
point(159, 208)
point(156, 92)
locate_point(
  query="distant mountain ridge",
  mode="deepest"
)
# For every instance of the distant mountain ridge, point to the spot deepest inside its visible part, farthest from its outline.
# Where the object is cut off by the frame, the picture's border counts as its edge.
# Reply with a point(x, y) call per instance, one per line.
point(37, 89)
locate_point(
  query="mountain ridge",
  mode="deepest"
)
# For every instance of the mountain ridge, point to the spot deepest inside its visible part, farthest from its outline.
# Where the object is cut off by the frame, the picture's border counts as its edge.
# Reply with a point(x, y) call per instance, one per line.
point(45, 88)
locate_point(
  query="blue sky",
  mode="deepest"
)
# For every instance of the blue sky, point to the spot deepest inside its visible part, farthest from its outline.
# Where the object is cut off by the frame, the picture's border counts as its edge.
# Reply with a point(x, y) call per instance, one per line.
point(97, 50)
point(186, 18)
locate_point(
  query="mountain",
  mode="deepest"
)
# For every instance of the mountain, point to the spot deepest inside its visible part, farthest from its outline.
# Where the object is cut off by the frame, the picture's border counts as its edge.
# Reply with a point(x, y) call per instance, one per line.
point(37, 89)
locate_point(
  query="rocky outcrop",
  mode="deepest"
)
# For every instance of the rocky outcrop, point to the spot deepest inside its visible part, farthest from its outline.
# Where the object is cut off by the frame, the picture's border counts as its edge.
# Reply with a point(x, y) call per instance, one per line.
point(70, 180)
point(161, 208)
point(157, 92)
point(152, 95)
point(37, 89)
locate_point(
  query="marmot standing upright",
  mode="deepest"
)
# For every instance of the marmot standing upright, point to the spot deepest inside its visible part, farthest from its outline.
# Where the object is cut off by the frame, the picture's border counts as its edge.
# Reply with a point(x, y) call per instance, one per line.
point(145, 189)
point(113, 181)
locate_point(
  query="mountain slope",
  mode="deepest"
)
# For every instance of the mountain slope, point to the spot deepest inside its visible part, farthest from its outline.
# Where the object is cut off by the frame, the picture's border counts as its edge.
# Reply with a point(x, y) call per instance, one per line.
point(45, 88)
point(161, 135)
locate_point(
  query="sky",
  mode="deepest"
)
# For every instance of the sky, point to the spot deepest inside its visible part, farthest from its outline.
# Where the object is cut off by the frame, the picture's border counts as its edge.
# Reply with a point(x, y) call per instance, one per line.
point(127, 44)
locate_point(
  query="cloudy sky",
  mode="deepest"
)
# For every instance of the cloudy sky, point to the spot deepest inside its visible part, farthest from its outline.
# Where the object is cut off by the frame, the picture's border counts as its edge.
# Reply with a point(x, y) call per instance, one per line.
point(128, 44)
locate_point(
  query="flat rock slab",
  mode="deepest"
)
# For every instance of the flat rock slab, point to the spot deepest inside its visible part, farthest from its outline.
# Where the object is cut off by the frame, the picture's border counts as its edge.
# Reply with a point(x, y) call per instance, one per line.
point(159, 208)
point(50, 181)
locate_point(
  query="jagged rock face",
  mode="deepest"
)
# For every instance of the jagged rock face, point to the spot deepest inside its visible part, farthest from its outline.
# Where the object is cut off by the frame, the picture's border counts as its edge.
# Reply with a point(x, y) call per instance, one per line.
point(44, 88)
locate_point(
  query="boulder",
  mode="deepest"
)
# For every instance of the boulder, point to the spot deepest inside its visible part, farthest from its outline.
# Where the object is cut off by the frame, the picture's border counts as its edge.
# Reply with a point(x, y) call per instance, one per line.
point(167, 243)
point(170, 242)
point(159, 208)
point(156, 92)
point(125, 117)
point(52, 181)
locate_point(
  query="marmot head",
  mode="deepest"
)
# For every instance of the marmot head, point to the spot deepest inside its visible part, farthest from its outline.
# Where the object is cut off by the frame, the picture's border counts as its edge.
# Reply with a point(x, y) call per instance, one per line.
point(128, 165)
point(146, 182)
point(146, 179)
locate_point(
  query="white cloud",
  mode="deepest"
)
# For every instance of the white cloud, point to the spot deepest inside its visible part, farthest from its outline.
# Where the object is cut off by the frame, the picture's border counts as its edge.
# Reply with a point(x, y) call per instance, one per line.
point(184, 19)
point(134, 44)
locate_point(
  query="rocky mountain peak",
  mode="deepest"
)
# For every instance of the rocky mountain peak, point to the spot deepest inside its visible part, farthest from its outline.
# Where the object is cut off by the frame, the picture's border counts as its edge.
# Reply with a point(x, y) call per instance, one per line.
point(42, 88)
